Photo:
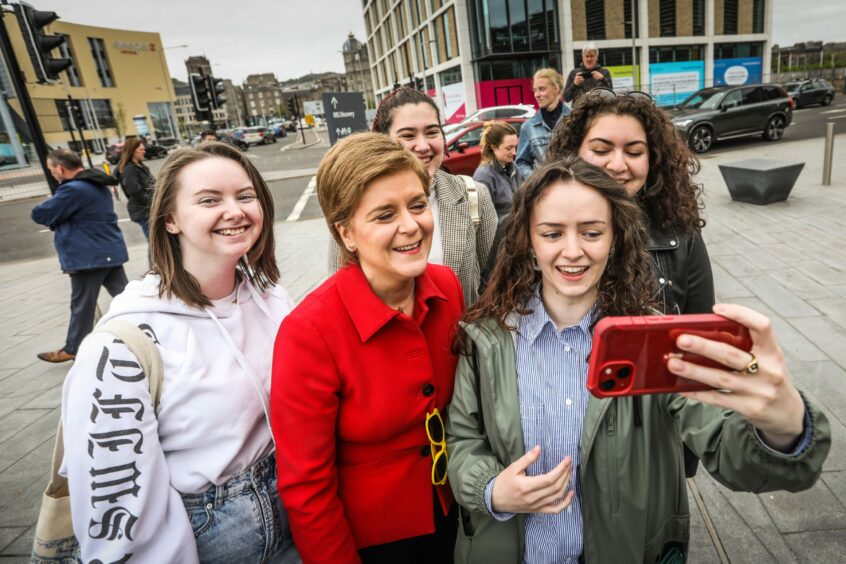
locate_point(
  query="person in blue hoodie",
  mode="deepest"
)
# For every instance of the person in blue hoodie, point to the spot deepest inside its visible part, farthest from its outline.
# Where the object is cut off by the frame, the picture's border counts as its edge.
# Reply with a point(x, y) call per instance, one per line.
point(88, 241)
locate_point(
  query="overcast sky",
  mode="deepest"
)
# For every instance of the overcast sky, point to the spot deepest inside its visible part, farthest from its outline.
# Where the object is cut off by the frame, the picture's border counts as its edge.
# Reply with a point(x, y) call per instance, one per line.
point(294, 37)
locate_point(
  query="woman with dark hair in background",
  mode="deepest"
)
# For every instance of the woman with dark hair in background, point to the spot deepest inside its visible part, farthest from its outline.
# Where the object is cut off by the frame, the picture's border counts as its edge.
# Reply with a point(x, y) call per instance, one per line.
point(137, 182)
point(497, 170)
point(545, 472)
point(465, 218)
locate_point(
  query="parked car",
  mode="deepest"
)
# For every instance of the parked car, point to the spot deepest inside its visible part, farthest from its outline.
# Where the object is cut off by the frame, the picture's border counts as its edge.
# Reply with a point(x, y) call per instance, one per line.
point(810, 91)
point(113, 153)
point(502, 112)
point(463, 146)
point(720, 112)
point(279, 130)
point(258, 136)
point(224, 137)
point(290, 125)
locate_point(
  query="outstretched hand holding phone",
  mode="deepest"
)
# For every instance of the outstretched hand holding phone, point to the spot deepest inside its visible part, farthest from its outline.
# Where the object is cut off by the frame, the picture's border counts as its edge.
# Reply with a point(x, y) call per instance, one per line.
point(759, 388)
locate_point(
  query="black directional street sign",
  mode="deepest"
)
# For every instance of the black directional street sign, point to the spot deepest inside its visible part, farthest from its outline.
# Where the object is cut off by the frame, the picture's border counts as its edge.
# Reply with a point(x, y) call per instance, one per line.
point(344, 114)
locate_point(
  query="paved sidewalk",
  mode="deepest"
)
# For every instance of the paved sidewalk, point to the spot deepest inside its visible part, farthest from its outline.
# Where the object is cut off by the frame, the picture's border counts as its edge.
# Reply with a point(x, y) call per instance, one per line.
point(787, 259)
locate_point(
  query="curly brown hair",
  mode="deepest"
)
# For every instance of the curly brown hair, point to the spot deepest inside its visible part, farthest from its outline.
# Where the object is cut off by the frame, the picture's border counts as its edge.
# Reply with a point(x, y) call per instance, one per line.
point(670, 198)
point(626, 286)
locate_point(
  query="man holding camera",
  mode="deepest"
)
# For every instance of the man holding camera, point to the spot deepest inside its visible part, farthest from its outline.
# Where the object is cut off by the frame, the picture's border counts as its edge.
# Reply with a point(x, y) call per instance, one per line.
point(587, 76)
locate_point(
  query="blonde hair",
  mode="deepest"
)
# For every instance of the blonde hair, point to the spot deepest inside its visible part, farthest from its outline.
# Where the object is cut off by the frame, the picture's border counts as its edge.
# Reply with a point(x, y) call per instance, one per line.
point(258, 265)
point(553, 76)
point(349, 168)
point(493, 134)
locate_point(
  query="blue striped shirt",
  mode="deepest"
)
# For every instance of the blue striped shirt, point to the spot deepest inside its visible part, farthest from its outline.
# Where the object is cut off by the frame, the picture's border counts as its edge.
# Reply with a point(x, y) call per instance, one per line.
point(551, 376)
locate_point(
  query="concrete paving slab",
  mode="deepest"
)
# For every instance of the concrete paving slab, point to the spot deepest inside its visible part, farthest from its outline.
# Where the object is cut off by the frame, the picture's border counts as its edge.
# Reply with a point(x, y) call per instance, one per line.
point(782, 300)
point(816, 509)
point(19, 445)
point(729, 286)
point(9, 535)
point(826, 335)
point(744, 526)
point(818, 547)
point(833, 308)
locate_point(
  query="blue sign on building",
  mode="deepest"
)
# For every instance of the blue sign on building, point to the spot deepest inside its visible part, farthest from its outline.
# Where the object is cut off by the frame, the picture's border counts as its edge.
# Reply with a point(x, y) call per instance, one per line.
point(671, 83)
point(746, 70)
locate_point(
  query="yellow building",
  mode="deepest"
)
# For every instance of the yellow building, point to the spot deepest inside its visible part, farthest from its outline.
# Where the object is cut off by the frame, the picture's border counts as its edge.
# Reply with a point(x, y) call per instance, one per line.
point(119, 76)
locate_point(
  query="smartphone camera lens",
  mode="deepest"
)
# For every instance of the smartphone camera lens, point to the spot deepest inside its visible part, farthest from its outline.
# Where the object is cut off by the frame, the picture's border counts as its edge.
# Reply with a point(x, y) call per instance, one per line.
point(607, 385)
point(624, 372)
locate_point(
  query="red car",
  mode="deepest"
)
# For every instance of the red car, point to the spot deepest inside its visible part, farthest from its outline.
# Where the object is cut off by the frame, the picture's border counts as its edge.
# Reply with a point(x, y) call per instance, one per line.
point(463, 146)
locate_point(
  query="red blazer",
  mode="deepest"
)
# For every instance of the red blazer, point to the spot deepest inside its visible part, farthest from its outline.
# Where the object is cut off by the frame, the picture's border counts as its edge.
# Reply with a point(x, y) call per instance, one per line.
point(353, 380)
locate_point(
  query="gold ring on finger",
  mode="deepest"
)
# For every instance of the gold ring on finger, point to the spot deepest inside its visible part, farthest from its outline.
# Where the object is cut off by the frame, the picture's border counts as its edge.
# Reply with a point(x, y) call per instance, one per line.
point(752, 366)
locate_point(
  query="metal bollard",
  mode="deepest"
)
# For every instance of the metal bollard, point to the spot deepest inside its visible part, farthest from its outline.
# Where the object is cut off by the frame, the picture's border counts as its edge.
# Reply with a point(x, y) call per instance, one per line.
point(829, 153)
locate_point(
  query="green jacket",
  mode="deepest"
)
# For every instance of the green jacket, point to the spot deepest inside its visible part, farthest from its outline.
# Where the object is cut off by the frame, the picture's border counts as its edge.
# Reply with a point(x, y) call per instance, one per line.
point(633, 490)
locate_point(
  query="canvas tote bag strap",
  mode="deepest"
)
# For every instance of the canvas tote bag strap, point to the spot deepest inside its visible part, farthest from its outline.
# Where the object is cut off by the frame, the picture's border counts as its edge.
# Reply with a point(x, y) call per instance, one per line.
point(472, 199)
point(54, 528)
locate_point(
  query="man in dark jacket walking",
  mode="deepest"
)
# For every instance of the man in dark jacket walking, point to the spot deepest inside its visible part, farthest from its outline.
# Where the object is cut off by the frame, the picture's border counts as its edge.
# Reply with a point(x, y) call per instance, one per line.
point(87, 238)
point(587, 76)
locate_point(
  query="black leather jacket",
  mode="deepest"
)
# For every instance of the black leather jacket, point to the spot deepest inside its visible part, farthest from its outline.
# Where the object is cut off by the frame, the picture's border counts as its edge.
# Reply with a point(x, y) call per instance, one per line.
point(683, 271)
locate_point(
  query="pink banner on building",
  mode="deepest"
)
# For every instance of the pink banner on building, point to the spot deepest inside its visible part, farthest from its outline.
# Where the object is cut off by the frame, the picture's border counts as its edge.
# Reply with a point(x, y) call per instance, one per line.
point(505, 92)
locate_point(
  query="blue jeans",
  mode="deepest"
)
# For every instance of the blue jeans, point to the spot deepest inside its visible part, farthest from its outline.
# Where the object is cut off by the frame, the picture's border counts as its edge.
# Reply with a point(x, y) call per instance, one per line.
point(242, 520)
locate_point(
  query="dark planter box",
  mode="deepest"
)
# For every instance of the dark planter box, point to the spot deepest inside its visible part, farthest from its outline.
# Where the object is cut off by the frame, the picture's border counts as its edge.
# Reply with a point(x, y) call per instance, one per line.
point(760, 181)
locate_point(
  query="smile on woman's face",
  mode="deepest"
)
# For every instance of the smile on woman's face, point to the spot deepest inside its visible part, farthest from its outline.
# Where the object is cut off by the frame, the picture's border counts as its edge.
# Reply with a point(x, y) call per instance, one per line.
point(391, 230)
point(619, 145)
point(416, 126)
point(571, 235)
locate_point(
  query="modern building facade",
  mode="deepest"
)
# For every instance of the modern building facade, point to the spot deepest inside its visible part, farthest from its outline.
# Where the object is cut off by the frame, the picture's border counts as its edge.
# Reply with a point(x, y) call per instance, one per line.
point(120, 78)
point(470, 54)
point(357, 68)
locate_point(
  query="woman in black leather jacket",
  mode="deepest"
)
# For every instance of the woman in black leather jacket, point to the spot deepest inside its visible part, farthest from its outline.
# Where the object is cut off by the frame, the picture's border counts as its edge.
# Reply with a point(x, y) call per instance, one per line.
point(635, 142)
point(137, 182)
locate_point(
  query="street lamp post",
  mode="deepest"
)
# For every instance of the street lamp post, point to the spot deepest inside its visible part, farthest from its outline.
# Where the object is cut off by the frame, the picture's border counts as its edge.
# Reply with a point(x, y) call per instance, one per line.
point(166, 78)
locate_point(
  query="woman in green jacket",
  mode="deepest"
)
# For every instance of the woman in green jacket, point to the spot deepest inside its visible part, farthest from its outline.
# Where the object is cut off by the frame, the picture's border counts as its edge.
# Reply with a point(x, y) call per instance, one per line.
point(546, 473)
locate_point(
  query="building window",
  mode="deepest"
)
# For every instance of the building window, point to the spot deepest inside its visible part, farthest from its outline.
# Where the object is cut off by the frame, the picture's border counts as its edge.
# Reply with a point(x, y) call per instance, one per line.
point(610, 57)
point(595, 19)
point(101, 61)
point(675, 54)
point(161, 119)
point(67, 53)
point(519, 26)
point(698, 17)
point(758, 16)
point(667, 11)
point(730, 17)
point(627, 18)
point(103, 113)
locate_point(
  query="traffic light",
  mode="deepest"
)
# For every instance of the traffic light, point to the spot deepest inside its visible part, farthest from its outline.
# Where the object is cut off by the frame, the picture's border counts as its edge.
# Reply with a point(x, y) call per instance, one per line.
point(38, 45)
point(200, 94)
point(75, 112)
point(292, 105)
point(216, 89)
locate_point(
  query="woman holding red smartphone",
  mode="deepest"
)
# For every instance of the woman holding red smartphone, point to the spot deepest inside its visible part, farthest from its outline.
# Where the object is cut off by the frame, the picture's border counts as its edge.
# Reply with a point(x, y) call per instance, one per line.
point(542, 471)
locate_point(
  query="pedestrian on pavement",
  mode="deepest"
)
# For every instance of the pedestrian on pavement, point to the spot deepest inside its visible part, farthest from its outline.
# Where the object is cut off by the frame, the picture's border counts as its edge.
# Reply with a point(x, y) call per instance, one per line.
point(89, 242)
point(465, 218)
point(587, 76)
point(497, 170)
point(200, 483)
point(208, 135)
point(137, 182)
point(635, 142)
point(535, 133)
point(362, 459)
point(543, 471)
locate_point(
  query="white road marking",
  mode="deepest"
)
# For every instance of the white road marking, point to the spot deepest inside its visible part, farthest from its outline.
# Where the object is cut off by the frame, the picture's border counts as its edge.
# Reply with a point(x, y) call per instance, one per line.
point(833, 111)
point(301, 203)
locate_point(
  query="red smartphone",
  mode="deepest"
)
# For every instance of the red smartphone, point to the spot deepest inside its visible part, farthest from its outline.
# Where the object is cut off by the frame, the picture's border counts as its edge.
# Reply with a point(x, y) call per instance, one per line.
point(630, 354)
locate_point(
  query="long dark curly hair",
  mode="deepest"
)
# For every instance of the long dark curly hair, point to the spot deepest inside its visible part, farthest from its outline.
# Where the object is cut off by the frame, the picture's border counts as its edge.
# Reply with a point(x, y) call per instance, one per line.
point(670, 198)
point(626, 286)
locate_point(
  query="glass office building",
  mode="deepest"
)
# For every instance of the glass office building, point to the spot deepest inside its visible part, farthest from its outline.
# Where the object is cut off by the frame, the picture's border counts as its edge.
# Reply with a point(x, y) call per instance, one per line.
point(470, 54)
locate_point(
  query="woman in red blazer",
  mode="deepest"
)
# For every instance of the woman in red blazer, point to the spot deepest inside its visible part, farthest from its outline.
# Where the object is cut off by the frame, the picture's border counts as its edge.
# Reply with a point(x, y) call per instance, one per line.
point(364, 367)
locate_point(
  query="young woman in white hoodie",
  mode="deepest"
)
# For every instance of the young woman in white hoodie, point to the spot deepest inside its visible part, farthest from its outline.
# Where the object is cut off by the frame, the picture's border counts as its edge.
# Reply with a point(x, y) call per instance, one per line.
point(195, 479)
